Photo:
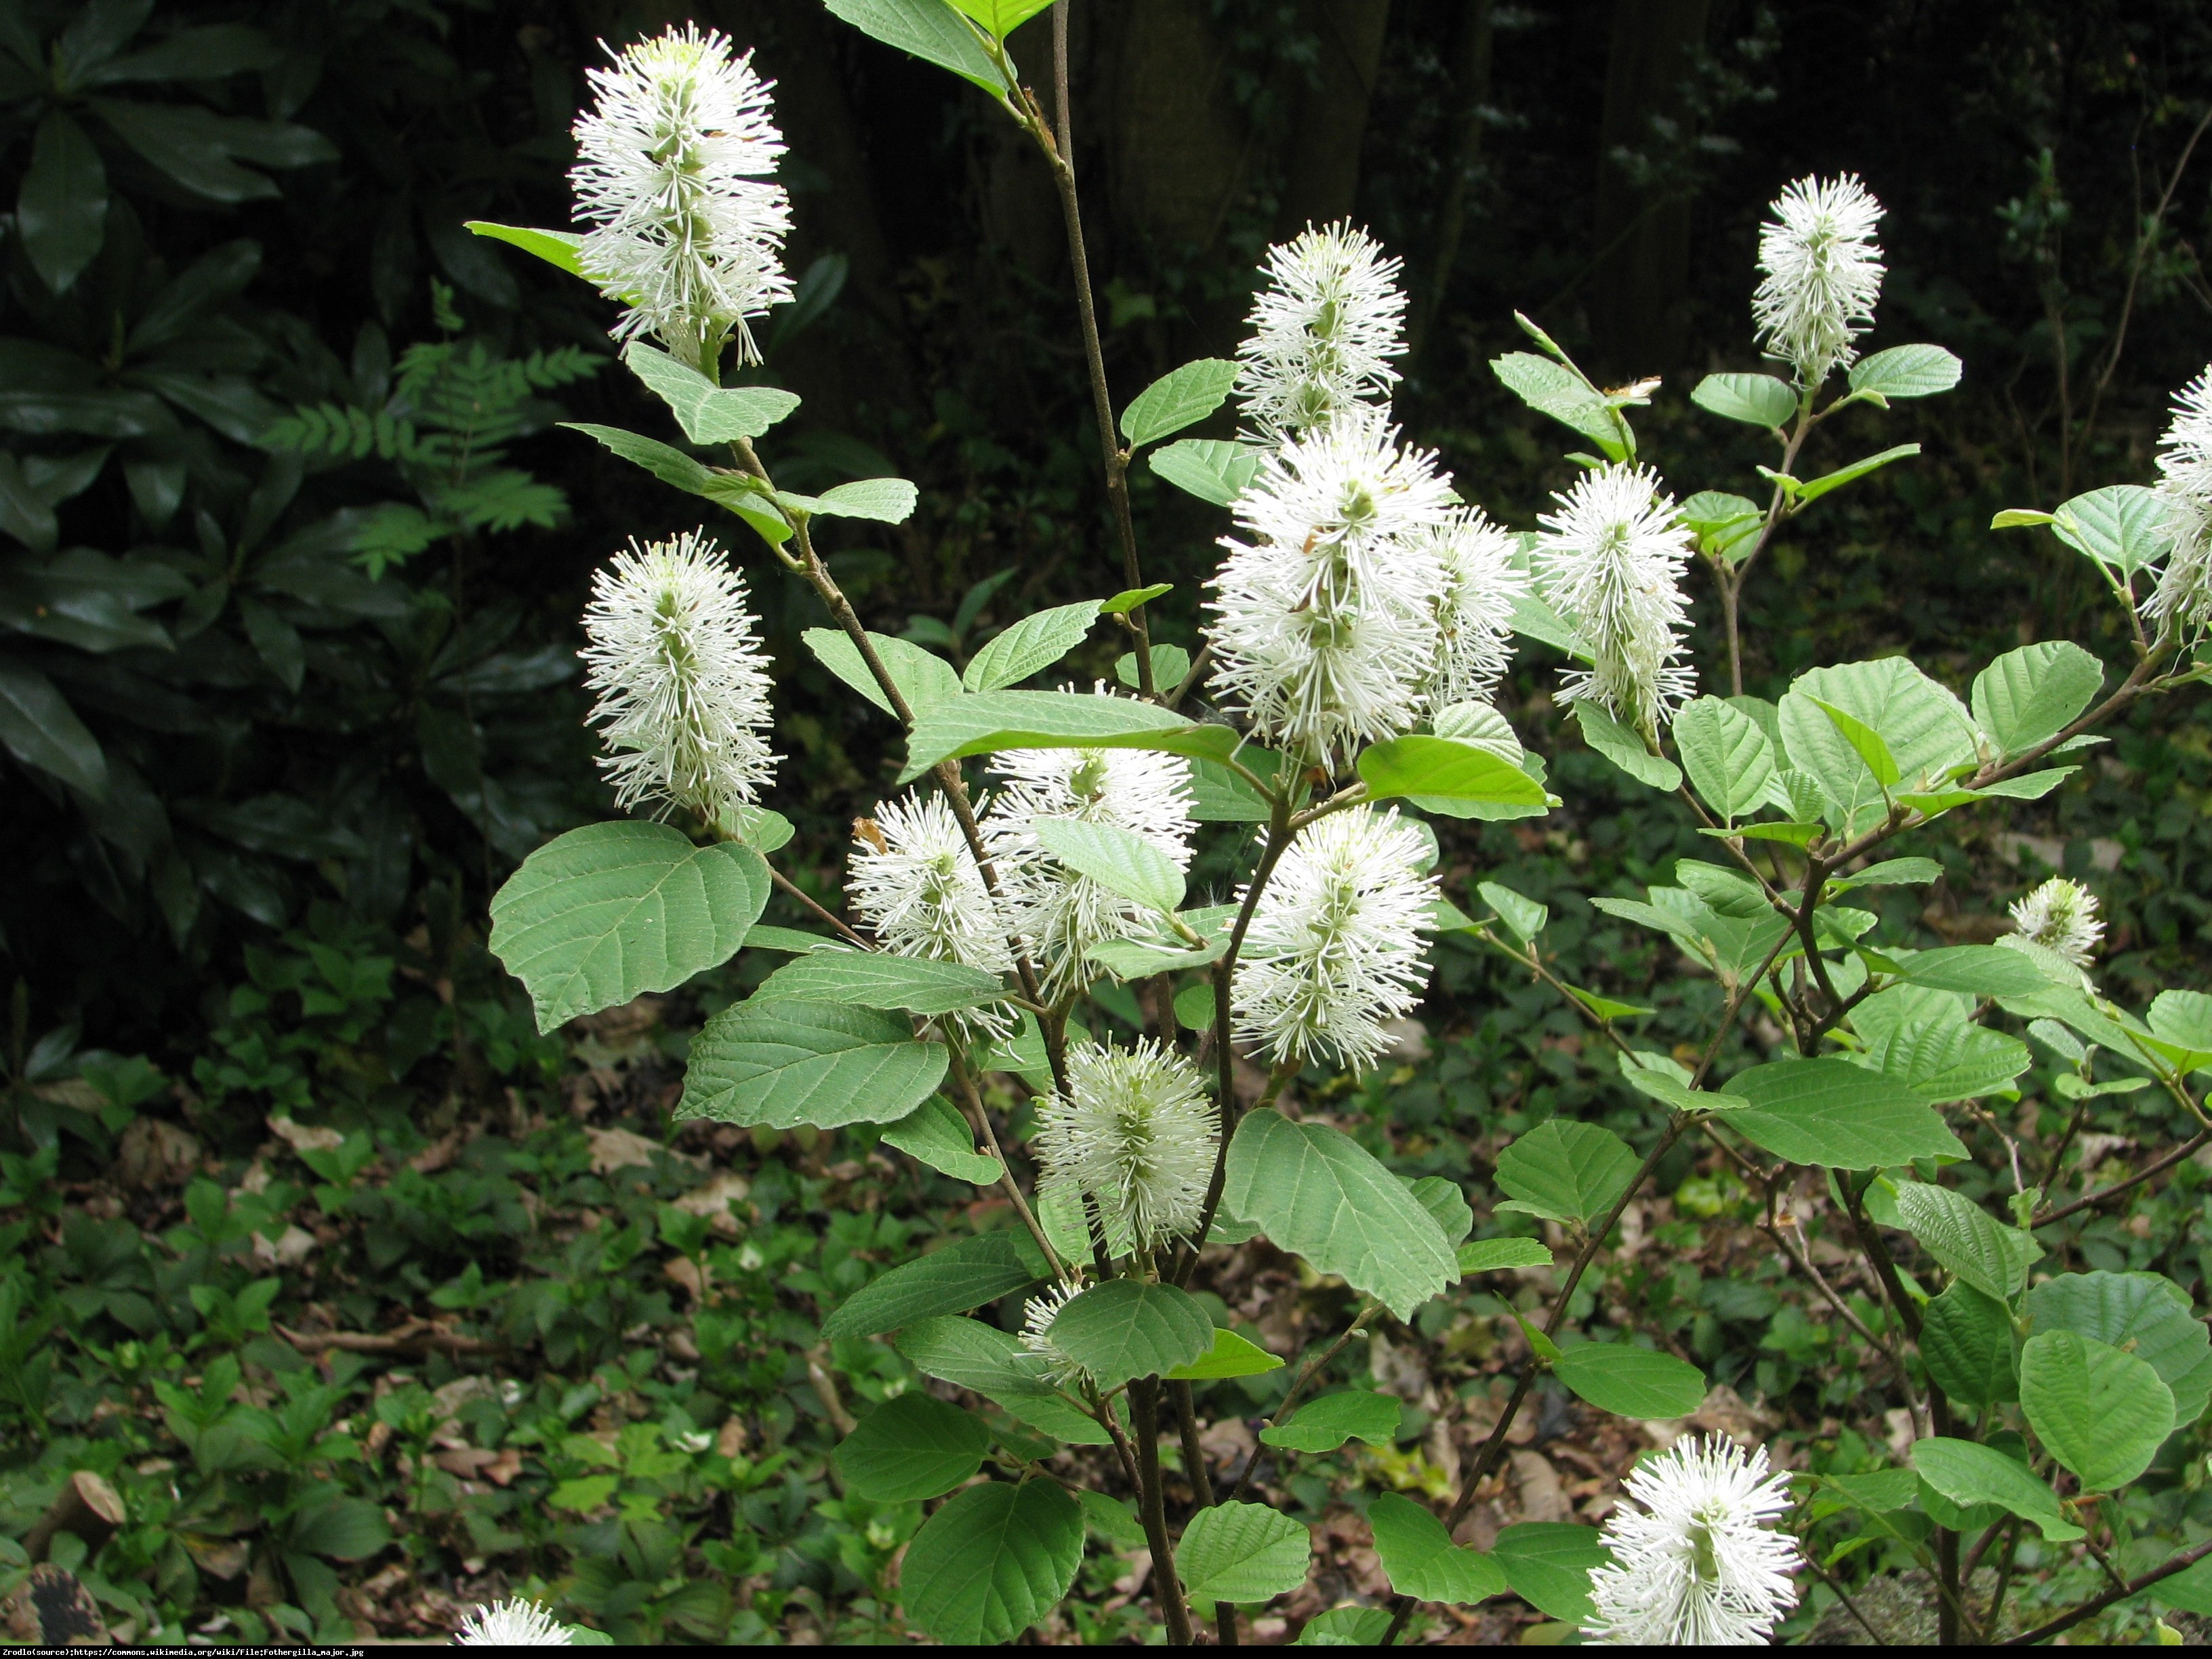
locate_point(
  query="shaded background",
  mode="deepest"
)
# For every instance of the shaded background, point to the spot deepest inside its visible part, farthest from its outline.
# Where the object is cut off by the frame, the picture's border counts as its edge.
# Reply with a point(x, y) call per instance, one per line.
point(257, 738)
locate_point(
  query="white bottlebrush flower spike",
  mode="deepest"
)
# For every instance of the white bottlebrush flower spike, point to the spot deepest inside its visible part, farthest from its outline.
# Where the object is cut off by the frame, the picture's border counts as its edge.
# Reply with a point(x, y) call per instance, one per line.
point(520, 1623)
point(1037, 1315)
point(1324, 329)
point(1700, 1565)
point(1325, 627)
point(1610, 561)
point(1820, 274)
point(671, 181)
point(2182, 601)
point(683, 690)
point(1065, 915)
point(1474, 616)
point(1335, 948)
point(2061, 917)
point(914, 879)
point(1139, 1136)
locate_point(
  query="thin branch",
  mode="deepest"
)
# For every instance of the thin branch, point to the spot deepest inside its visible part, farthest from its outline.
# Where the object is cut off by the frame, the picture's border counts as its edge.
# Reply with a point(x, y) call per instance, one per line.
point(784, 883)
point(2096, 1605)
point(2090, 1200)
point(1303, 1381)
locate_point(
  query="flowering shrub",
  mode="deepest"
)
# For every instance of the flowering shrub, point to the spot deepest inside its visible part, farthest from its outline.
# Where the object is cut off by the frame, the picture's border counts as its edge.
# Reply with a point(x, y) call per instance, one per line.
point(1362, 615)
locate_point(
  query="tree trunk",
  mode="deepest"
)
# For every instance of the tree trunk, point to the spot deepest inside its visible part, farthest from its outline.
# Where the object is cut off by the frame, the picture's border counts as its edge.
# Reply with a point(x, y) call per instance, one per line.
point(1639, 289)
point(1330, 122)
point(1177, 147)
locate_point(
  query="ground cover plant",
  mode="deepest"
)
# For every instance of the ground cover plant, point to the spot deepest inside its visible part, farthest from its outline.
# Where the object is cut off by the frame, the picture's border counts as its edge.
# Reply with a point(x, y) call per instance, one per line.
point(984, 1231)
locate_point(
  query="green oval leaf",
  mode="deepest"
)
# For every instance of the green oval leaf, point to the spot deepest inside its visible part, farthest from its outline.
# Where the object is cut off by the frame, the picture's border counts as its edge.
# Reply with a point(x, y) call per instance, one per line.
point(992, 1562)
point(1967, 1340)
point(1631, 1381)
point(1243, 1553)
point(1728, 757)
point(1315, 1190)
point(558, 248)
point(1974, 1245)
point(1032, 643)
point(1547, 1564)
point(988, 722)
point(708, 414)
point(1119, 859)
point(2146, 1315)
point(1177, 399)
point(1832, 1112)
point(1439, 772)
point(936, 1133)
point(2033, 693)
point(924, 678)
point(1485, 1255)
point(1325, 1424)
point(1756, 400)
point(612, 910)
point(1127, 1328)
point(1969, 1474)
point(782, 1064)
point(2101, 1413)
point(1565, 1171)
point(963, 1274)
point(2123, 526)
point(1230, 1356)
point(912, 1446)
point(932, 31)
point(1216, 470)
point(1906, 370)
point(1421, 1559)
point(876, 979)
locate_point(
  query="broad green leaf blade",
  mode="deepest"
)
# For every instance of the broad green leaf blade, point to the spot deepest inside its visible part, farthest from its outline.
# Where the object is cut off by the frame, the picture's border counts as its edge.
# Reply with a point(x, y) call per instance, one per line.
point(1925, 727)
point(2101, 1413)
point(1565, 1171)
point(936, 1135)
point(1535, 620)
point(781, 1064)
point(1832, 1112)
point(1315, 1190)
point(1968, 1474)
point(1219, 795)
point(2019, 517)
point(558, 248)
point(1866, 741)
point(1890, 872)
point(1433, 770)
point(924, 678)
point(2122, 526)
point(932, 31)
point(708, 413)
point(883, 501)
point(1982, 970)
point(1547, 1565)
point(1666, 1081)
point(1171, 664)
point(612, 910)
point(1130, 598)
point(1966, 1341)
point(1216, 470)
point(2032, 693)
point(1523, 915)
point(986, 722)
point(664, 461)
point(961, 1275)
point(1323, 1425)
point(2146, 1315)
point(1002, 17)
point(61, 214)
point(1625, 749)
point(1446, 1205)
point(1127, 1328)
point(1631, 1381)
point(1485, 1256)
point(1119, 859)
point(1844, 475)
point(1349, 1628)
point(1974, 1245)
point(911, 1447)
point(1032, 643)
point(1720, 520)
point(1728, 755)
point(42, 730)
point(997, 1558)
point(1243, 1553)
point(1421, 1559)
point(1552, 389)
point(1755, 400)
point(1230, 1356)
point(1181, 398)
point(970, 1354)
point(863, 978)
point(1906, 370)
point(1112, 1519)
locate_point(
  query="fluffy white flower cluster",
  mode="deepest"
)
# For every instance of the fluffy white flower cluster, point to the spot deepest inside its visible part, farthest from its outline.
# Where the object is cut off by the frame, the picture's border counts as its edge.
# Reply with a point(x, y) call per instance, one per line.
point(2183, 599)
point(1699, 1566)
point(1324, 329)
point(1059, 1367)
point(1335, 948)
point(1326, 624)
point(683, 690)
point(1139, 1135)
point(672, 158)
point(2059, 917)
point(1062, 914)
point(520, 1623)
point(1474, 616)
point(913, 882)
point(1610, 562)
point(1821, 274)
